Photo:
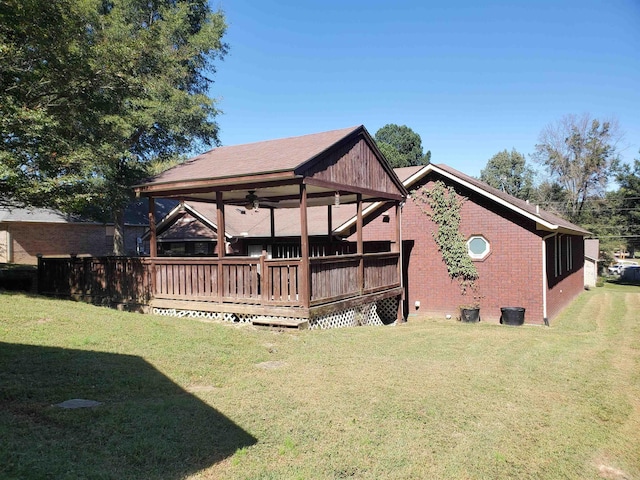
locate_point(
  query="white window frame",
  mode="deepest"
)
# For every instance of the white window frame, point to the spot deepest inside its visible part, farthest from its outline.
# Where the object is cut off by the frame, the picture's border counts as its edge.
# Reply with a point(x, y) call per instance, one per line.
point(478, 256)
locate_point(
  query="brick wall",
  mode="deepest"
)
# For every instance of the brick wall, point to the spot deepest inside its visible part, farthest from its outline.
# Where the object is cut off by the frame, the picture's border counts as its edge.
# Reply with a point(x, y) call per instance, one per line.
point(51, 239)
point(510, 276)
point(28, 239)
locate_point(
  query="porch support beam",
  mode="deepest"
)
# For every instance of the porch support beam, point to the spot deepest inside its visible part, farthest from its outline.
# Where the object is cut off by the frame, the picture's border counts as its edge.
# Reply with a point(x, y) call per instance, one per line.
point(330, 225)
point(153, 243)
point(153, 240)
point(220, 247)
point(360, 242)
point(272, 221)
point(305, 268)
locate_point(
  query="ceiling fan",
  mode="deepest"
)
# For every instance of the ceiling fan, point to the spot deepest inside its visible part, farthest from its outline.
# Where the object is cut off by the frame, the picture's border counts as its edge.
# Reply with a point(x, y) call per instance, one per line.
point(253, 202)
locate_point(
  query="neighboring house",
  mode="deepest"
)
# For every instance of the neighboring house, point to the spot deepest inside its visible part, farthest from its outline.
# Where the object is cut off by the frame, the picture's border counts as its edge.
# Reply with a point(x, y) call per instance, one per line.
point(591, 255)
point(525, 257)
point(26, 233)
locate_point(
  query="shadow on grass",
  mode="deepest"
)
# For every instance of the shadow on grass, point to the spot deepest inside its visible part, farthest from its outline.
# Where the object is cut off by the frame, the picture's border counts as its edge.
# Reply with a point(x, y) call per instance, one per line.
point(147, 426)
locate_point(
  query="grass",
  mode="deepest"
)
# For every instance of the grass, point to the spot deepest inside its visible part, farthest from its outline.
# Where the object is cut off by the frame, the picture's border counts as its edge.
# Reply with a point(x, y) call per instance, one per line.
point(428, 399)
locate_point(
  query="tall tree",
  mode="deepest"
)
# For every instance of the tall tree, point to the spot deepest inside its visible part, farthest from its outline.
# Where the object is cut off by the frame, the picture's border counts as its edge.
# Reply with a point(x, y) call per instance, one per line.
point(508, 171)
point(579, 153)
point(95, 91)
point(401, 146)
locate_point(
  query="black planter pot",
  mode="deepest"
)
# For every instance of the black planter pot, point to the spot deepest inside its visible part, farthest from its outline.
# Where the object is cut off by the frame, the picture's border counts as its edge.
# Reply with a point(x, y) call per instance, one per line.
point(512, 315)
point(469, 315)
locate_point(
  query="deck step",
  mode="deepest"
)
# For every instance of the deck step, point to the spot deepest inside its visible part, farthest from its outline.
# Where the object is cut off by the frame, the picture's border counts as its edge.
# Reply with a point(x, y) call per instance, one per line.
point(269, 321)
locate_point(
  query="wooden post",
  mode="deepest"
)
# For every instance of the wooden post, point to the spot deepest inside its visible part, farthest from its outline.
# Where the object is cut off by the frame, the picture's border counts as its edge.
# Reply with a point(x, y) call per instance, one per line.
point(153, 244)
point(272, 221)
point(263, 280)
point(153, 241)
point(305, 267)
point(360, 246)
point(220, 247)
point(330, 228)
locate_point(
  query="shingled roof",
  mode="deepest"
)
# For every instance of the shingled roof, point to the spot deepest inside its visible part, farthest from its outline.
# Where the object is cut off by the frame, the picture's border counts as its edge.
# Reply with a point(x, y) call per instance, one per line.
point(271, 156)
point(346, 161)
point(544, 219)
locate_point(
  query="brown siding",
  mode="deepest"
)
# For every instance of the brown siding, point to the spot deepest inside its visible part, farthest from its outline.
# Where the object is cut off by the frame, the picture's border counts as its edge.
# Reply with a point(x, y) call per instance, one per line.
point(354, 163)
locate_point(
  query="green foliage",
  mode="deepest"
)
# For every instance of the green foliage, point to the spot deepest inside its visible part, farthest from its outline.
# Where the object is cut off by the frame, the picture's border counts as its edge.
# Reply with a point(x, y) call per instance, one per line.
point(580, 154)
point(628, 196)
point(93, 92)
point(401, 146)
point(442, 205)
point(508, 171)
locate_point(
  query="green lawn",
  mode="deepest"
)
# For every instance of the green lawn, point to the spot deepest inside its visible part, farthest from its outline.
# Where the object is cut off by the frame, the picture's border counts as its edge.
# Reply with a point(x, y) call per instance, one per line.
point(428, 399)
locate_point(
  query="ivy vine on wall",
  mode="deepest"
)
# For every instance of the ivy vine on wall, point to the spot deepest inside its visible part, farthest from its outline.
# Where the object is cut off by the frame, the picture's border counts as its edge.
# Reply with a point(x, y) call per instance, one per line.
point(443, 205)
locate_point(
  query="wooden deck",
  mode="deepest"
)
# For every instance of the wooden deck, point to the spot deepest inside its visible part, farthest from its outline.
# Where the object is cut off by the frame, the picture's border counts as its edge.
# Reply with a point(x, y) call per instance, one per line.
point(270, 291)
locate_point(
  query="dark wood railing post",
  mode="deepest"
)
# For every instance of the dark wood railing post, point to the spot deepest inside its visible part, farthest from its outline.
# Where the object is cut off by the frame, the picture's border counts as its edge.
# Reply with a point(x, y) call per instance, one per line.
point(305, 267)
point(264, 284)
point(220, 245)
point(360, 247)
point(153, 244)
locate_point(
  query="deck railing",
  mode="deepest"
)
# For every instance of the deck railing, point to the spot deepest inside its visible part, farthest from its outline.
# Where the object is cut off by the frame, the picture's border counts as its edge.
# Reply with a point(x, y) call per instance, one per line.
point(100, 280)
point(247, 280)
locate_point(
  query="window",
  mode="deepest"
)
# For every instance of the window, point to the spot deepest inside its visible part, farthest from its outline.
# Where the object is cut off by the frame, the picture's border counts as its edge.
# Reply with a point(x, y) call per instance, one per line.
point(557, 242)
point(478, 247)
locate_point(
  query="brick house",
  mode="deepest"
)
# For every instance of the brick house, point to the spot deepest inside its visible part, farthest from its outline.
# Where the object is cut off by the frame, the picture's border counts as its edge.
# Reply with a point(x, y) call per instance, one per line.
point(525, 256)
point(26, 232)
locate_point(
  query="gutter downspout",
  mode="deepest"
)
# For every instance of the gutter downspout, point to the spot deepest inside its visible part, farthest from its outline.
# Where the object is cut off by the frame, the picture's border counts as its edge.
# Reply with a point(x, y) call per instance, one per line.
point(545, 283)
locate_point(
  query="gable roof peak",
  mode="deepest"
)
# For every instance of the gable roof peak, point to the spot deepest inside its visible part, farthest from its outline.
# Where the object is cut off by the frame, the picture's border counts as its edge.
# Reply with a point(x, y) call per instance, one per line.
point(547, 219)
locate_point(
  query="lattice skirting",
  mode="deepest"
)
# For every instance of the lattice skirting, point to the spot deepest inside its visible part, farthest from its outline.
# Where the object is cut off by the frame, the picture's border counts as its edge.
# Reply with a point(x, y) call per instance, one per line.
point(224, 316)
point(382, 312)
point(377, 313)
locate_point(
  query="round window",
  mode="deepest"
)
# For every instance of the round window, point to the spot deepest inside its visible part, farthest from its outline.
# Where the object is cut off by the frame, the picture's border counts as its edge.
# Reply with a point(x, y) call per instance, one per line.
point(478, 247)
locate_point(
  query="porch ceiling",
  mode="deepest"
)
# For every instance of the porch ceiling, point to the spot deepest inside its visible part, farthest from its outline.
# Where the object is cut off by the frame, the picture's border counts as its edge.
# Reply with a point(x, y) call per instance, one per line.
point(282, 196)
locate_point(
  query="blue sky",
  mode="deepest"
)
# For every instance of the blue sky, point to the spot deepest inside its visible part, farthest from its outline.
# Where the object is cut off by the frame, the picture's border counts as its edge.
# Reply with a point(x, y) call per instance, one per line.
point(471, 77)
